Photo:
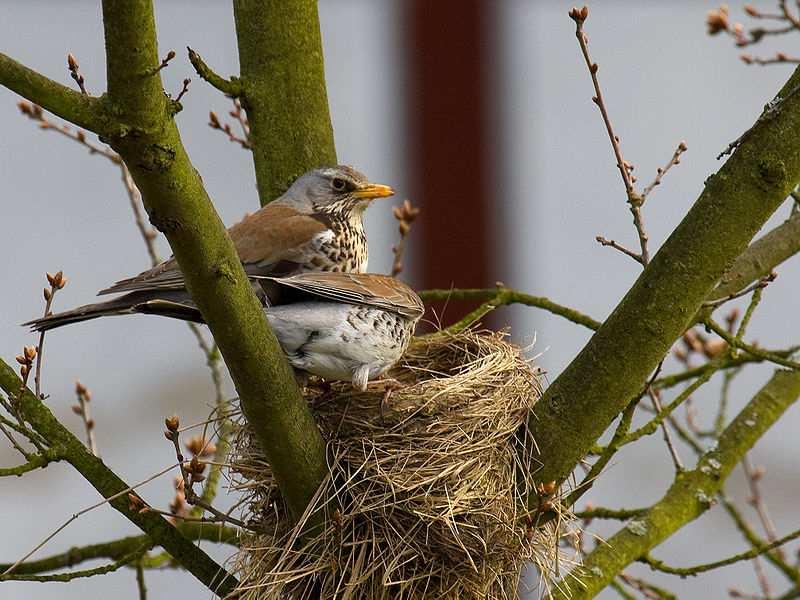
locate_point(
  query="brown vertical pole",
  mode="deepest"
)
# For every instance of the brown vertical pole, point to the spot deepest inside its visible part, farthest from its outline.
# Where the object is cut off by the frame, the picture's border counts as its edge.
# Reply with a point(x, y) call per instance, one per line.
point(447, 58)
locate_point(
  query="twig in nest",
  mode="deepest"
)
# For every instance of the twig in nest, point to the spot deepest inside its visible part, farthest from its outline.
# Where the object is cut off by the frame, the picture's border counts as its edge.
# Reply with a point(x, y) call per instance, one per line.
point(405, 214)
point(82, 410)
point(75, 73)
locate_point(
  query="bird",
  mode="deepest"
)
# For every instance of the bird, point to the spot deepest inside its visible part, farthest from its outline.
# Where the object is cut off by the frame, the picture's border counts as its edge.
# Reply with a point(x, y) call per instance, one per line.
point(349, 327)
point(316, 225)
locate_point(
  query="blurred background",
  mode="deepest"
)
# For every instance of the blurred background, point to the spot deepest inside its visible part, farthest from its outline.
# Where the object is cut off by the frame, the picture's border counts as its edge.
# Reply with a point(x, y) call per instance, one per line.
point(479, 113)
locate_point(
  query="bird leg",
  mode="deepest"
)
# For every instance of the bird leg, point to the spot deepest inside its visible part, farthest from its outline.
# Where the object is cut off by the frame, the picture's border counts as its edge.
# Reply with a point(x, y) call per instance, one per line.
point(390, 385)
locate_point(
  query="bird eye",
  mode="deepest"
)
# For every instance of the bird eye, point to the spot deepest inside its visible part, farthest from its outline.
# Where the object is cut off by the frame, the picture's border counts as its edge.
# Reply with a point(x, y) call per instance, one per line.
point(338, 184)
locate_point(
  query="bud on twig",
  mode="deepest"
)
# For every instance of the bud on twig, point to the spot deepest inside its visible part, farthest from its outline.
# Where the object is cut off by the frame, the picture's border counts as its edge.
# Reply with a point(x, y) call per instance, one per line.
point(579, 14)
point(172, 423)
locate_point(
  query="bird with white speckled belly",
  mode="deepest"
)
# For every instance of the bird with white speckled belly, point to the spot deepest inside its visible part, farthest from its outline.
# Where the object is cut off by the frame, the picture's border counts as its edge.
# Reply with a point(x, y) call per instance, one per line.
point(339, 326)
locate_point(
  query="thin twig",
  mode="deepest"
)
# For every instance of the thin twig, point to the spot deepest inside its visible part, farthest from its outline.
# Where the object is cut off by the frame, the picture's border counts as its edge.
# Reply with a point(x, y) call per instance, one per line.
point(82, 409)
point(184, 89)
point(760, 284)
point(754, 540)
point(676, 159)
point(405, 214)
point(71, 575)
point(135, 198)
point(36, 113)
point(690, 571)
point(164, 62)
point(749, 348)
point(676, 459)
point(215, 123)
point(82, 512)
point(620, 514)
point(26, 455)
point(56, 282)
point(503, 296)
point(779, 58)
point(193, 474)
point(237, 112)
point(579, 16)
point(74, 72)
point(605, 242)
point(754, 476)
point(646, 589)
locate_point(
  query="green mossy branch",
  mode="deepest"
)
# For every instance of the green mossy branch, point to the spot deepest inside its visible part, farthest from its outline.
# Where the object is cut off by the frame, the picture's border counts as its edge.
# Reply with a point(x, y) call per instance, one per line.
point(620, 514)
point(660, 565)
point(117, 549)
point(81, 574)
point(283, 90)
point(179, 206)
point(231, 87)
point(761, 257)
point(82, 110)
point(790, 572)
point(37, 461)
point(692, 492)
point(502, 296)
point(616, 362)
point(108, 484)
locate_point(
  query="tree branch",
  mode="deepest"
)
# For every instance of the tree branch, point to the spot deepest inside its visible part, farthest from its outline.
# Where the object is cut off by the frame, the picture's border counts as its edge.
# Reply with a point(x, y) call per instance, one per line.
point(70, 575)
point(108, 484)
point(755, 541)
point(760, 258)
point(581, 403)
point(116, 549)
point(284, 94)
point(659, 565)
point(69, 104)
point(504, 296)
point(692, 492)
point(179, 206)
point(37, 461)
point(231, 87)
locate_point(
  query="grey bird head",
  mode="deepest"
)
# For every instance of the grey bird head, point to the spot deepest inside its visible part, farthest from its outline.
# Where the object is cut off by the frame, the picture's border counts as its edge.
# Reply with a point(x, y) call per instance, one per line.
point(334, 190)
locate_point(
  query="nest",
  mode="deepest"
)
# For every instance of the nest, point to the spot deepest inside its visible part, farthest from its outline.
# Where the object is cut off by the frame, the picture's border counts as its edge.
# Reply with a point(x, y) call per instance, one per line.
point(428, 486)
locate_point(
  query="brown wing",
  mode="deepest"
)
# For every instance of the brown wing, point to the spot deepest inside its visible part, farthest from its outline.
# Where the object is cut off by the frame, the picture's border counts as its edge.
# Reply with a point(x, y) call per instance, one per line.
point(272, 234)
point(368, 289)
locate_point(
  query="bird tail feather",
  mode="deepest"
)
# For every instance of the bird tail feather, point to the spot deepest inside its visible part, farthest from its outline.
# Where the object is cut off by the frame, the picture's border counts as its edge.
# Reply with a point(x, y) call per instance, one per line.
point(178, 307)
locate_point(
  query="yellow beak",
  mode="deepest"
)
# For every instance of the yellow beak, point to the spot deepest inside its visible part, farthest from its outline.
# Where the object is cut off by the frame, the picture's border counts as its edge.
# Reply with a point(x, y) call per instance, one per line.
point(373, 190)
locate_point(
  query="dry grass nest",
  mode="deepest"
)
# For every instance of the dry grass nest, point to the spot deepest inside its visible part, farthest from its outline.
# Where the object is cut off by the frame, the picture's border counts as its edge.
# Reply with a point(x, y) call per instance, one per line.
point(427, 498)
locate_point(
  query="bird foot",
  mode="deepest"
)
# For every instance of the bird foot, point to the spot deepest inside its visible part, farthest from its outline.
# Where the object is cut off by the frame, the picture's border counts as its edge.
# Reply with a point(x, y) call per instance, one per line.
point(389, 385)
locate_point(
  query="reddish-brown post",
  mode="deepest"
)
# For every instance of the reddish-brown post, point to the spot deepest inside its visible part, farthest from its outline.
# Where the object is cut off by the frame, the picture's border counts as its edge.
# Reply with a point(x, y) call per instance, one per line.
point(447, 58)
